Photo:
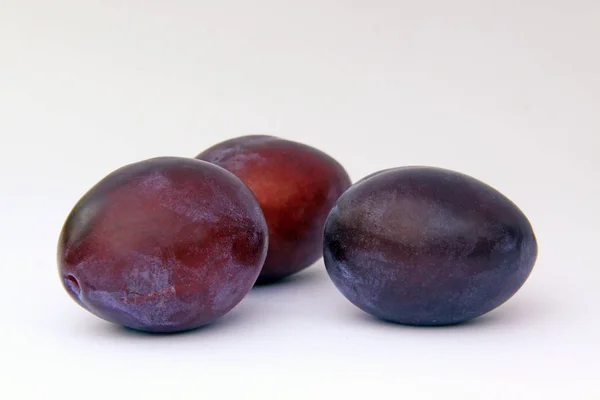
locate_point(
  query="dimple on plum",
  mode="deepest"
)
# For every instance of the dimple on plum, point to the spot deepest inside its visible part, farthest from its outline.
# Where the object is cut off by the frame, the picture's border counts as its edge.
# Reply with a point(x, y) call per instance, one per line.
point(163, 245)
point(427, 246)
point(296, 186)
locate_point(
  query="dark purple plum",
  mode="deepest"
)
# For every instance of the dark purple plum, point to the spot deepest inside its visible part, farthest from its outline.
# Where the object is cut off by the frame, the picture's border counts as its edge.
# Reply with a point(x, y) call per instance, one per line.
point(296, 186)
point(163, 245)
point(427, 246)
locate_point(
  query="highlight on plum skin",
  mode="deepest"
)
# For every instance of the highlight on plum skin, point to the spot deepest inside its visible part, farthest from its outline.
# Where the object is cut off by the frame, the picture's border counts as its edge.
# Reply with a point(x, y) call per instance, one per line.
point(427, 246)
point(296, 186)
point(163, 245)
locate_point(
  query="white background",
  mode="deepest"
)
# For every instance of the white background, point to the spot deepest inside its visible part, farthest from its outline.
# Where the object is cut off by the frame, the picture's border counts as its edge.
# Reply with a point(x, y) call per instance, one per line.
point(506, 91)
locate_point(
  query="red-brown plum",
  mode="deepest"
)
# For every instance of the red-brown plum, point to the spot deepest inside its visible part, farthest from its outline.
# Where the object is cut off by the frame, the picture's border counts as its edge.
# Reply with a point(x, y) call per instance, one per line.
point(427, 246)
point(163, 245)
point(296, 186)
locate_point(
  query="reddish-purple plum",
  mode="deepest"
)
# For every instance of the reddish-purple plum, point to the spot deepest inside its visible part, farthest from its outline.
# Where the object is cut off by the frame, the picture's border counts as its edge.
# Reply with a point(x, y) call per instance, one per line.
point(427, 246)
point(163, 245)
point(296, 186)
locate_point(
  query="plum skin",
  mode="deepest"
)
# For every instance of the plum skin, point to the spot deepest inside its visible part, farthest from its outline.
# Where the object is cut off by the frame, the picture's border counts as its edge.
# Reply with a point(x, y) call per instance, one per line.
point(296, 186)
point(163, 245)
point(427, 246)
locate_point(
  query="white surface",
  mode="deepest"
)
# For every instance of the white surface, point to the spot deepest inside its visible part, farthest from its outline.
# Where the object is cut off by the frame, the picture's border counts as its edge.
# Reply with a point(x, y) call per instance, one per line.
point(506, 91)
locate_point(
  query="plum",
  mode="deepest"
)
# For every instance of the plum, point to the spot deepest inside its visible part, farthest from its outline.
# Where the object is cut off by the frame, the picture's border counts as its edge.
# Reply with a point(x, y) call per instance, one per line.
point(296, 186)
point(163, 245)
point(427, 246)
